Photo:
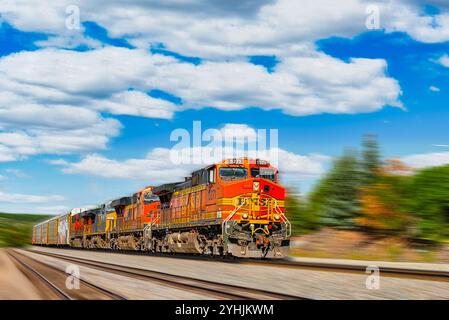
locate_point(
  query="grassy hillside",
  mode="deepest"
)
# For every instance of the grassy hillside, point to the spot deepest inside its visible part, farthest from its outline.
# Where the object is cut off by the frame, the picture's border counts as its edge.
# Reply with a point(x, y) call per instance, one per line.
point(16, 229)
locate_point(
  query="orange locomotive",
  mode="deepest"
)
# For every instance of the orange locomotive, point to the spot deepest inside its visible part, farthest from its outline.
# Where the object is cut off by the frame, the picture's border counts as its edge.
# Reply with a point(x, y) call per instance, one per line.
point(235, 207)
point(117, 224)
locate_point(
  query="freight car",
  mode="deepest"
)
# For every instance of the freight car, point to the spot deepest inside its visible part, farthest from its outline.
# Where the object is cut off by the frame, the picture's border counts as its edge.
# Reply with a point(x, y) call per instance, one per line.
point(52, 232)
point(37, 234)
point(235, 207)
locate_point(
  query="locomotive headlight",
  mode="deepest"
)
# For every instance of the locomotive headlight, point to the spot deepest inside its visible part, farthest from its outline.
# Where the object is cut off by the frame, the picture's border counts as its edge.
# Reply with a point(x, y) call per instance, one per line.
point(245, 216)
point(256, 185)
point(276, 216)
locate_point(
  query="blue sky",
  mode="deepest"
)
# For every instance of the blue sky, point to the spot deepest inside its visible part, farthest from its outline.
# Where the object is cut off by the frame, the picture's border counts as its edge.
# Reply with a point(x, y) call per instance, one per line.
point(92, 132)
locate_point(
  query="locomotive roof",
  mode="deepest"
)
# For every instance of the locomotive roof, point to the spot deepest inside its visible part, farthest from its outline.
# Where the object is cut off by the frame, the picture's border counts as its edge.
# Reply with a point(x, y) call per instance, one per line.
point(168, 187)
point(124, 201)
point(91, 210)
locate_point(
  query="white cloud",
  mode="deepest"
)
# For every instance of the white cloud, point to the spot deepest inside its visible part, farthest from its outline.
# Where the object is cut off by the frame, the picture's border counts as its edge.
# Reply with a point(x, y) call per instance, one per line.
point(444, 60)
point(215, 28)
point(408, 17)
point(52, 209)
point(16, 172)
point(426, 159)
point(51, 98)
point(16, 145)
point(137, 104)
point(441, 145)
point(238, 132)
point(309, 83)
point(155, 167)
point(31, 124)
point(303, 165)
point(158, 166)
point(27, 198)
point(434, 89)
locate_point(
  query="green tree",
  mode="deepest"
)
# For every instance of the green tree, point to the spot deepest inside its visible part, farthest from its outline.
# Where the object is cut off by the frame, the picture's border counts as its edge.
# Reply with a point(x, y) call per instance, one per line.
point(370, 158)
point(429, 202)
point(335, 199)
point(385, 205)
point(303, 220)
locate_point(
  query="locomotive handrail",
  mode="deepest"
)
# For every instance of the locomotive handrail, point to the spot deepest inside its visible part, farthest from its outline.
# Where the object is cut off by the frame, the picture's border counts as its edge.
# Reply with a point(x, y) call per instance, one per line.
point(287, 222)
point(225, 221)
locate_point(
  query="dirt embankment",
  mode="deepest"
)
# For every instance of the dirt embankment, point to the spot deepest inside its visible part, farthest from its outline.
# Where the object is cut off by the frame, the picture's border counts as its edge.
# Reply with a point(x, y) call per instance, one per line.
point(13, 284)
point(343, 244)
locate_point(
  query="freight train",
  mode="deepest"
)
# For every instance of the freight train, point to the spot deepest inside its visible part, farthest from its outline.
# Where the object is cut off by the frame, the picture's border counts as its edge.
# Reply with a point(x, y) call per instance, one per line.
point(232, 208)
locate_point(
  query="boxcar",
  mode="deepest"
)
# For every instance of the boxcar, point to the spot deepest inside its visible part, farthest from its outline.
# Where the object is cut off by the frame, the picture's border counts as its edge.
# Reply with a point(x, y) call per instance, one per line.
point(37, 234)
point(44, 233)
point(52, 232)
point(63, 230)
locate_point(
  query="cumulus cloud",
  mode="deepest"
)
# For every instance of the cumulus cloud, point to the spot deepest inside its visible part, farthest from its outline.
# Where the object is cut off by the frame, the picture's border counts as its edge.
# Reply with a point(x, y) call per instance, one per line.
point(441, 145)
point(240, 133)
point(51, 98)
point(168, 165)
point(158, 168)
point(60, 209)
point(444, 60)
point(16, 173)
point(408, 17)
point(57, 97)
point(303, 165)
point(27, 198)
point(215, 28)
point(310, 83)
point(426, 159)
point(155, 167)
point(434, 89)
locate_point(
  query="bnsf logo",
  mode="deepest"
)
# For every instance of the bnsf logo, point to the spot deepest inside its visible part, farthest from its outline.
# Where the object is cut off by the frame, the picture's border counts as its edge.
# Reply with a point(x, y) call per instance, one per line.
point(263, 202)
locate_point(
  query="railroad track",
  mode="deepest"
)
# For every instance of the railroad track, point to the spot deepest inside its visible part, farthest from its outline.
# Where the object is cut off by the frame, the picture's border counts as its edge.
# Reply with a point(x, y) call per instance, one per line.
point(393, 272)
point(52, 281)
point(210, 288)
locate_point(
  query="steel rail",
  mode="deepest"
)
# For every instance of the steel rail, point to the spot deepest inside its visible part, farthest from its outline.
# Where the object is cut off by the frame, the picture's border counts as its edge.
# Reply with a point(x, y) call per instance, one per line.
point(189, 283)
point(393, 272)
point(40, 276)
point(100, 289)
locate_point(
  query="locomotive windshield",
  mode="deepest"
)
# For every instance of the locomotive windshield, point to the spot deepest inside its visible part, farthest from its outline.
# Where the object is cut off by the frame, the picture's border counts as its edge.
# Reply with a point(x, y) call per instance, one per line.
point(150, 198)
point(263, 173)
point(233, 173)
point(108, 208)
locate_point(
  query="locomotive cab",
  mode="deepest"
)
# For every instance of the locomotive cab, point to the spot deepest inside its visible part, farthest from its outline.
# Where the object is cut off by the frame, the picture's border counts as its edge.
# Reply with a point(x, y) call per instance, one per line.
point(252, 205)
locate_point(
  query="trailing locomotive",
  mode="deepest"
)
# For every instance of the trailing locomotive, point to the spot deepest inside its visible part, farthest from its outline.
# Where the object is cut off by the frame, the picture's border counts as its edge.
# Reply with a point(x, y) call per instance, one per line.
point(235, 207)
